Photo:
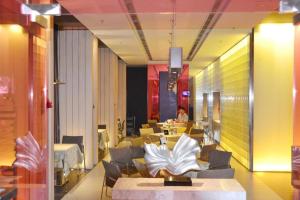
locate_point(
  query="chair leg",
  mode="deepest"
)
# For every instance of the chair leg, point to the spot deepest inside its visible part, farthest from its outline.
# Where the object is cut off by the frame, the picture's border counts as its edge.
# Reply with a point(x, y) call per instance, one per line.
point(127, 169)
point(84, 162)
point(106, 191)
point(102, 187)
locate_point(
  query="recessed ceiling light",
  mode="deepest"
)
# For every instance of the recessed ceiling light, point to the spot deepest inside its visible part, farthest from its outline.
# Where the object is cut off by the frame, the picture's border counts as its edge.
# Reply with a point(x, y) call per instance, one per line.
point(289, 6)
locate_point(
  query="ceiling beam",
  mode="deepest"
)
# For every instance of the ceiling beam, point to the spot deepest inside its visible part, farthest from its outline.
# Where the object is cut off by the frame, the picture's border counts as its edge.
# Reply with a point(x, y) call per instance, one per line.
point(137, 25)
point(214, 16)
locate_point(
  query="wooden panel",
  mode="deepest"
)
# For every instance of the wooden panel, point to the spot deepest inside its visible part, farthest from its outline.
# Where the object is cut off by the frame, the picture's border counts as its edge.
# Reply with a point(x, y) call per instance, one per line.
point(14, 90)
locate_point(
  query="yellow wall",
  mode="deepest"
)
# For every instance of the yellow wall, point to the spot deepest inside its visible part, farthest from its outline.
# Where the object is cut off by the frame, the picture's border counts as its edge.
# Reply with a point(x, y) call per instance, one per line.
point(273, 86)
point(229, 75)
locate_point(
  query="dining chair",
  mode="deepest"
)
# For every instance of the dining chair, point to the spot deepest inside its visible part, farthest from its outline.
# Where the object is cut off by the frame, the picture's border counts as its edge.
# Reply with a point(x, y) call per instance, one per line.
point(146, 131)
point(112, 173)
point(189, 125)
point(137, 152)
point(152, 121)
point(219, 159)
point(206, 149)
point(212, 173)
point(156, 129)
point(145, 126)
point(66, 139)
point(194, 131)
point(137, 141)
point(199, 138)
point(142, 169)
point(123, 158)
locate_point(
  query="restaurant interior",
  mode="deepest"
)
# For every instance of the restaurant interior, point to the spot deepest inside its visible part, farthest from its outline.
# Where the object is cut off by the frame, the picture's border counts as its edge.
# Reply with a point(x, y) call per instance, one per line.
point(145, 99)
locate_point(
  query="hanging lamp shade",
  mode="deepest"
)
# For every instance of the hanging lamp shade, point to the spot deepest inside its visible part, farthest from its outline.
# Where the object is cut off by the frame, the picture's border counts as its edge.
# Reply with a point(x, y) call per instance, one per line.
point(175, 57)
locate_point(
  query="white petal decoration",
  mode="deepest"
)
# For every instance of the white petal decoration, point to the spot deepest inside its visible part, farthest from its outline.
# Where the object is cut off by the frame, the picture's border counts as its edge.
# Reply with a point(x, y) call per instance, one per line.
point(180, 160)
point(29, 155)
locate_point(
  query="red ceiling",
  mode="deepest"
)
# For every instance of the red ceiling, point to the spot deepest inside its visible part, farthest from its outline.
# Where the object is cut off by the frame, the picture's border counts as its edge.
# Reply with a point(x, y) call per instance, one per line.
point(157, 6)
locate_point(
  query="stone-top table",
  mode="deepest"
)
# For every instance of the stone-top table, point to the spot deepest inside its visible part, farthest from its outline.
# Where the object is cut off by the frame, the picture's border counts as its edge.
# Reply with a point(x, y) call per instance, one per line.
point(154, 189)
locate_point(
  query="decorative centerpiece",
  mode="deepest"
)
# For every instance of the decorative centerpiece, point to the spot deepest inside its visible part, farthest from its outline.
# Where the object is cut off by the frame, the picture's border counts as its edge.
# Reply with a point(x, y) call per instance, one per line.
point(175, 163)
point(29, 154)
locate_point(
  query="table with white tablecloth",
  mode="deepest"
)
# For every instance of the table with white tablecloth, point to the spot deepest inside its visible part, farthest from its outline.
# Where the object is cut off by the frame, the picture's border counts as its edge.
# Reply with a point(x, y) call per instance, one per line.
point(103, 139)
point(67, 156)
point(153, 188)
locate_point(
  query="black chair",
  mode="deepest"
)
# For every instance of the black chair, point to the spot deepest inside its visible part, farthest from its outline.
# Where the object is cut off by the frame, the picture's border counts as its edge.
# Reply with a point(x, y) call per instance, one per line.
point(123, 158)
point(205, 151)
point(156, 129)
point(219, 159)
point(101, 126)
point(130, 125)
point(112, 173)
point(189, 125)
point(194, 131)
point(75, 140)
point(216, 173)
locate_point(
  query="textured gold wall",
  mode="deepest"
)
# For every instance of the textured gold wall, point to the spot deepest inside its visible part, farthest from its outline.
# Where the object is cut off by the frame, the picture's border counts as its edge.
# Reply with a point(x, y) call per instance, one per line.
point(229, 75)
point(273, 96)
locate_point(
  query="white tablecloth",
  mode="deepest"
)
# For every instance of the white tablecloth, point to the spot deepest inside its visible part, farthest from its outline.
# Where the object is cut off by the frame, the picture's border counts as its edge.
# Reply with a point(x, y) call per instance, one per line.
point(102, 138)
point(67, 156)
point(154, 189)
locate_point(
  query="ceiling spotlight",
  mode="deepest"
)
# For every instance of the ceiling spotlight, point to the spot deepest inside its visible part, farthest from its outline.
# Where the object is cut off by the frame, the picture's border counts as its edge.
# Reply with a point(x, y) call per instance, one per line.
point(289, 6)
point(35, 10)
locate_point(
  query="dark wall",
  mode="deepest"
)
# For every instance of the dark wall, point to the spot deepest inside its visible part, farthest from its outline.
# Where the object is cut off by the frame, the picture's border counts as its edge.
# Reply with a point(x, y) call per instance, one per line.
point(137, 94)
point(167, 99)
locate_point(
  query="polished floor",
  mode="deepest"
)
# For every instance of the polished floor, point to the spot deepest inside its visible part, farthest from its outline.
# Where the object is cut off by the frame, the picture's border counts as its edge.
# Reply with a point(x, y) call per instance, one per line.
point(259, 186)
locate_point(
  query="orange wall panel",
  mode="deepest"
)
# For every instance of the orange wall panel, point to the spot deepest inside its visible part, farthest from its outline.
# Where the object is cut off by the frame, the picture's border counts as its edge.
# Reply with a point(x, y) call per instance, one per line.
point(296, 139)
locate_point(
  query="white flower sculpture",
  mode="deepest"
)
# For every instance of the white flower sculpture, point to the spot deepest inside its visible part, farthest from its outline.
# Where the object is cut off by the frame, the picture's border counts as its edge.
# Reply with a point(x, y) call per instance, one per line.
point(29, 155)
point(180, 160)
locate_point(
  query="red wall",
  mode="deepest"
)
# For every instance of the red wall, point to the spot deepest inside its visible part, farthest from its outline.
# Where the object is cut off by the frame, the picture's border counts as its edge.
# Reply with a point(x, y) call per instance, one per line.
point(153, 88)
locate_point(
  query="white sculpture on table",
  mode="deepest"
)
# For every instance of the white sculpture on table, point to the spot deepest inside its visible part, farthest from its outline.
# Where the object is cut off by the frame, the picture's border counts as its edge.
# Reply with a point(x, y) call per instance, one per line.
point(182, 159)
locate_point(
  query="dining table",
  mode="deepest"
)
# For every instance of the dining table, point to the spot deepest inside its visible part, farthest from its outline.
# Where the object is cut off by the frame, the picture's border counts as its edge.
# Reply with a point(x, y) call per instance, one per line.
point(67, 156)
point(153, 188)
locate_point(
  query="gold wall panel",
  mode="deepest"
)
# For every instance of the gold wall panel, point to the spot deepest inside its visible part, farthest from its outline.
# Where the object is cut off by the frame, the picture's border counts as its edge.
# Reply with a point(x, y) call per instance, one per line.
point(229, 75)
point(273, 96)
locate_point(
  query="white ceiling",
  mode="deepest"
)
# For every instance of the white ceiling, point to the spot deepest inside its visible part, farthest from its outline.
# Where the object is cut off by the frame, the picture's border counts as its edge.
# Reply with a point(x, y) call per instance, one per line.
point(110, 22)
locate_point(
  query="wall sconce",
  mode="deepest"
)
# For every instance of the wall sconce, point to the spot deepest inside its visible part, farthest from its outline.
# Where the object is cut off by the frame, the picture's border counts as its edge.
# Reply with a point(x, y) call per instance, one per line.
point(35, 10)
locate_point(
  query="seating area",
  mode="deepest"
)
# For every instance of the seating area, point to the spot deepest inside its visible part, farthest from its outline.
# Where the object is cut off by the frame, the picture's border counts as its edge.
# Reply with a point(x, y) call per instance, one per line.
point(129, 160)
point(149, 100)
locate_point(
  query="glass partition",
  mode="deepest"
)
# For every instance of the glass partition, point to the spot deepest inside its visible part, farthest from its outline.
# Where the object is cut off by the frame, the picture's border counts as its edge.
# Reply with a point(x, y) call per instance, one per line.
point(23, 97)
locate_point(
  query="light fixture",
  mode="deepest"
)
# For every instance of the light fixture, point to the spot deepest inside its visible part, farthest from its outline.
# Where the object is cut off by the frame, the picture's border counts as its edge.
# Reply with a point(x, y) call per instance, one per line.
point(175, 57)
point(35, 10)
point(15, 28)
point(175, 53)
point(289, 6)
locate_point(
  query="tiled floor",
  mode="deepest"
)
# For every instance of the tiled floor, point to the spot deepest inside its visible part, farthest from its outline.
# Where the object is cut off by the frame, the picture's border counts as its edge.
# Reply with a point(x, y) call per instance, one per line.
point(74, 177)
point(259, 186)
